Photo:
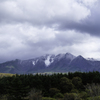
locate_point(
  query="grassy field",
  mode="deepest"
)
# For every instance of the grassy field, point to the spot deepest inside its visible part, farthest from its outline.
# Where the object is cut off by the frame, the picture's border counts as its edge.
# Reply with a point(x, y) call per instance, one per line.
point(5, 74)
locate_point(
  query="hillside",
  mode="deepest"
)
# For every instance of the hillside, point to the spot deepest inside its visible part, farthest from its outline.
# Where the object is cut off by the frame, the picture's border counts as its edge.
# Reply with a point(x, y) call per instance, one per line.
point(50, 63)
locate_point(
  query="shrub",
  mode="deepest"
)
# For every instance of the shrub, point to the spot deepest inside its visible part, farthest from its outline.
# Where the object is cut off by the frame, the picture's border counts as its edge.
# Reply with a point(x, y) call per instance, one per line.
point(94, 98)
point(59, 95)
point(66, 85)
point(74, 91)
point(35, 95)
point(53, 91)
point(93, 89)
point(48, 98)
point(83, 95)
point(71, 96)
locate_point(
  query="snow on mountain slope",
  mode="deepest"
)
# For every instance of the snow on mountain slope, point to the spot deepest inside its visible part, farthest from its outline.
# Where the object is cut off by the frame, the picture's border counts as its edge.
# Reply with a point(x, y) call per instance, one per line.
point(67, 56)
point(49, 59)
point(33, 62)
point(52, 60)
point(92, 59)
point(59, 56)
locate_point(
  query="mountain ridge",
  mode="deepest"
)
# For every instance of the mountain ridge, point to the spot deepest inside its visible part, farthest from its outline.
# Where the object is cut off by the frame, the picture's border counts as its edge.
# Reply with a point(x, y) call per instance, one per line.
point(50, 63)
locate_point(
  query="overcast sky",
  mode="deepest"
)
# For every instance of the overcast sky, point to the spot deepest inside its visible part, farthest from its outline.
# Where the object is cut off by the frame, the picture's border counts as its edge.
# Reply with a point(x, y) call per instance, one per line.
point(31, 28)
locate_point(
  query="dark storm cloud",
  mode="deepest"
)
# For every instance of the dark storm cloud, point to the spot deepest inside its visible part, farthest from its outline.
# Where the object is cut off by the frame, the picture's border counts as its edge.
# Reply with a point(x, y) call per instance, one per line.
point(85, 27)
point(90, 25)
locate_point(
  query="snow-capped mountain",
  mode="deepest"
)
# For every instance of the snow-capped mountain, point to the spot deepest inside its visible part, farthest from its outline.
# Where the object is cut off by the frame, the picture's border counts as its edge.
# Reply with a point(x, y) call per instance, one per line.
point(92, 59)
point(51, 63)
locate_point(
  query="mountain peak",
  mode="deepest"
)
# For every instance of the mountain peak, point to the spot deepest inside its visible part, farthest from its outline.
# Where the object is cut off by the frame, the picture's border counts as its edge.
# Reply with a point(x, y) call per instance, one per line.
point(52, 63)
point(92, 59)
point(68, 53)
point(69, 56)
point(79, 56)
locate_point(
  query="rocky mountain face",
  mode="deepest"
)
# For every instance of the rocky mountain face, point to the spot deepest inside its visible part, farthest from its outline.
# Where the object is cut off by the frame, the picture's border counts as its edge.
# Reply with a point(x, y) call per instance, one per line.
point(51, 63)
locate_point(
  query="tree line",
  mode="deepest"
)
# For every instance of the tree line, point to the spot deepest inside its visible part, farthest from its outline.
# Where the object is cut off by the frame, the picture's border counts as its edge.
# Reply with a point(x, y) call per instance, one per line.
point(65, 86)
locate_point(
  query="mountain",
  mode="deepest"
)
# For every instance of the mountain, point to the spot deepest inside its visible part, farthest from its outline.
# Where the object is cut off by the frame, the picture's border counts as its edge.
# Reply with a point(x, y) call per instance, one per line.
point(51, 63)
point(80, 64)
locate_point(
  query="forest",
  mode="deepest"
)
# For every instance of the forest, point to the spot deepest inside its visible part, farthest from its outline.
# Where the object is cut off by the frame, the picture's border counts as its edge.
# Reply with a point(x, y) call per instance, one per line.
point(57, 86)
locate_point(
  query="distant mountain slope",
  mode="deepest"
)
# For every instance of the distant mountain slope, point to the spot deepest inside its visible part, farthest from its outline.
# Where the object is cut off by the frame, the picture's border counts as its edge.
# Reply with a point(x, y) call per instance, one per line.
point(80, 64)
point(50, 63)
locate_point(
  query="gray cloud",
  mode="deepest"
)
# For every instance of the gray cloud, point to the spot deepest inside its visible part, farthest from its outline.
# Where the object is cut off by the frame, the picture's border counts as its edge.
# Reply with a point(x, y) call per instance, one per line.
point(85, 27)
point(80, 15)
point(42, 13)
point(90, 25)
point(32, 28)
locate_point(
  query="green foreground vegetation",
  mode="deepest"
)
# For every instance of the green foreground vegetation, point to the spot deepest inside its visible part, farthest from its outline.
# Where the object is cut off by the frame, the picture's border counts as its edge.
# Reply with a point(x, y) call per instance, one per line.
point(59, 86)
